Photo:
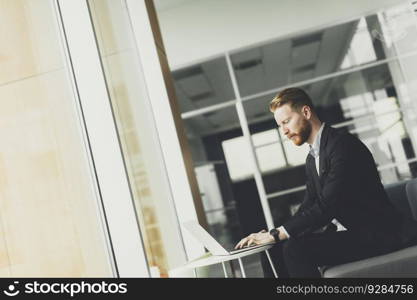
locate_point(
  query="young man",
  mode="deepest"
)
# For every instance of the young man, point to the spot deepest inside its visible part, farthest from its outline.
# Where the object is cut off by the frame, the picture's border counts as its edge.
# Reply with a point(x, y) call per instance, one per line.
point(344, 191)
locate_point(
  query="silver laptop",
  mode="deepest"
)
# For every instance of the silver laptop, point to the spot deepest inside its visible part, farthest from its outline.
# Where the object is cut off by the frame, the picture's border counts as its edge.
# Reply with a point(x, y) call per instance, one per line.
point(200, 234)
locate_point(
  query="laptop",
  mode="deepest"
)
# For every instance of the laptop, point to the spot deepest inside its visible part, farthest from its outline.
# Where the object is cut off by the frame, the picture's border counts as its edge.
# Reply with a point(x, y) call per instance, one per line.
point(200, 234)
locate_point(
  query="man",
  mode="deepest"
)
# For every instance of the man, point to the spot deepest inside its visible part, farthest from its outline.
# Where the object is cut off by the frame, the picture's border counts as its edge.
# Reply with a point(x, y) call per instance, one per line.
point(344, 191)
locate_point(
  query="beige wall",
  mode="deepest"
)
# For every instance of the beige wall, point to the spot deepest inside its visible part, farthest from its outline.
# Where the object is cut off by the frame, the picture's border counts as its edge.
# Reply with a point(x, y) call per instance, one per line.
point(49, 221)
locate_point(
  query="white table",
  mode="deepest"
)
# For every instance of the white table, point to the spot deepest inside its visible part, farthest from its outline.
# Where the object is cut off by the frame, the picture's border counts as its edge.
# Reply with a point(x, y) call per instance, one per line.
point(208, 259)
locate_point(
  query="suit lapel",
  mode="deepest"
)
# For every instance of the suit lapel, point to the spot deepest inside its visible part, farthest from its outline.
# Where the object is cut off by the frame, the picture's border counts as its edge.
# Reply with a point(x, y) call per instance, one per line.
point(311, 165)
point(323, 167)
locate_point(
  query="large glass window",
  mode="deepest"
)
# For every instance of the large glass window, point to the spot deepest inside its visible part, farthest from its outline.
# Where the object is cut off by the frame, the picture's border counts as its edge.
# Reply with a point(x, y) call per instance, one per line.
point(50, 220)
point(213, 171)
point(273, 151)
point(138, 138)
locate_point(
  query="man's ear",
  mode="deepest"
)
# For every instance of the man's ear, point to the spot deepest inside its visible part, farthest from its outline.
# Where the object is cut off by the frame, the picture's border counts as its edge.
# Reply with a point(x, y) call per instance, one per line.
point(306, 111)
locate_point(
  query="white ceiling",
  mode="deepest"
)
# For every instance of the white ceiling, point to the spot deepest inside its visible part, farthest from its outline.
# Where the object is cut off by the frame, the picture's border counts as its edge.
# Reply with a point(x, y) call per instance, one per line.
point(195, 30)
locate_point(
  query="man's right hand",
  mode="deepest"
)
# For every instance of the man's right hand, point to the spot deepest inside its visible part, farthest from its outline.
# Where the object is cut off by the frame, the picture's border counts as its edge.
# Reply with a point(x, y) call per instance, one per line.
point(260, 238)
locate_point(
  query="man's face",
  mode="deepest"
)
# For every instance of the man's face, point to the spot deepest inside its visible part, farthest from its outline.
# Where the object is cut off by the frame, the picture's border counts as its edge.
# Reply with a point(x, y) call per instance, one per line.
point(294, 124)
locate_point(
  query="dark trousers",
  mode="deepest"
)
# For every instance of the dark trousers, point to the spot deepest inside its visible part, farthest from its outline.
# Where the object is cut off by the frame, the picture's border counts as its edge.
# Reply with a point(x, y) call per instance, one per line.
point(301, 257)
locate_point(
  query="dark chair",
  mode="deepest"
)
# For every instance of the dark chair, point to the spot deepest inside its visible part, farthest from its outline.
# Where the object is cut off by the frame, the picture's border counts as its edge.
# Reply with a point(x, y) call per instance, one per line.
point(402, 263)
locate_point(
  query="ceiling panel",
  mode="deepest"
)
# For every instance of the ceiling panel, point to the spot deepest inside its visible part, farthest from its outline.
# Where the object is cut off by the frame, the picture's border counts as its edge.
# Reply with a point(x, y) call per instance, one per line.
point(194, 85)
point(305, 54)
point(276, 58)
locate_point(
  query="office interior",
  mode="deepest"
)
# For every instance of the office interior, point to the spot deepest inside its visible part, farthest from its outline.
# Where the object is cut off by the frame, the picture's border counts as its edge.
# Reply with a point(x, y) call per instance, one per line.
point(122, 119)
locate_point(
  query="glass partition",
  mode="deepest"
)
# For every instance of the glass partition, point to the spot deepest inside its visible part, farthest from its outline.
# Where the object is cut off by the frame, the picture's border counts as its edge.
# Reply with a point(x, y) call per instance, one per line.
point(361, 77)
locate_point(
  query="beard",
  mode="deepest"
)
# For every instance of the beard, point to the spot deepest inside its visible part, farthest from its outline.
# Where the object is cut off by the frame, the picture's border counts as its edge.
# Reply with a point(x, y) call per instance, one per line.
point(303, 133)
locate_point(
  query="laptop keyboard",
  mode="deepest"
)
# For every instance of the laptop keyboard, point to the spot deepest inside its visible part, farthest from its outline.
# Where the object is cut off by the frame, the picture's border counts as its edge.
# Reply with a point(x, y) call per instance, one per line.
point(233, 251)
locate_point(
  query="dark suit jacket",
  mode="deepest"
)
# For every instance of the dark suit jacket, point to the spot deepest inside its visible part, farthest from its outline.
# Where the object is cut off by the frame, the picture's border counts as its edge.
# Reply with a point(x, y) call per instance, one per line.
point(348, 189)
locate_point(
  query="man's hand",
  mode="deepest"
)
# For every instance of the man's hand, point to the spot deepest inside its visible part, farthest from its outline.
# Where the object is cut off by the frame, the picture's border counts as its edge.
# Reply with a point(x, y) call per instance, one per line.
point(262, 237)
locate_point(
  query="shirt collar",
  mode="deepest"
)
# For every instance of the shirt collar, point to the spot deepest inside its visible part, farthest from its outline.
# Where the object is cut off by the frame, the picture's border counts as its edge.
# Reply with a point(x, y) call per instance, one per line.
point(315, 147)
